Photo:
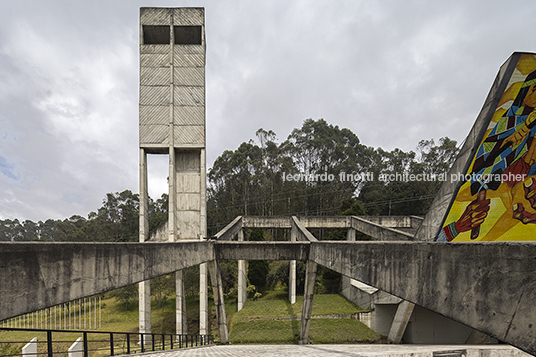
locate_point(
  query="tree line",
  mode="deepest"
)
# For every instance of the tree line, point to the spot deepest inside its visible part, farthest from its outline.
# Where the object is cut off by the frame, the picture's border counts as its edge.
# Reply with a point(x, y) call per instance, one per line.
point(264, 177)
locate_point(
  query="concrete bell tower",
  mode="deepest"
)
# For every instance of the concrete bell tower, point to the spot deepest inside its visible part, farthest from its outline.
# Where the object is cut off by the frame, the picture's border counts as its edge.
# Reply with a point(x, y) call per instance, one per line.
point(172, 122)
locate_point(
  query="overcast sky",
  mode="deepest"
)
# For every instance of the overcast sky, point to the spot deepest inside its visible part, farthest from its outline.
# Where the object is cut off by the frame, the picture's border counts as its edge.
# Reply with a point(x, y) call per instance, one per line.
point(394, 72)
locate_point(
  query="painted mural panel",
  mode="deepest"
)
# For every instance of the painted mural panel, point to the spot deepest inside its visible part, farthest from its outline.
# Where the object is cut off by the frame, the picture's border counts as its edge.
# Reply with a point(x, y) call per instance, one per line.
point(497, 200)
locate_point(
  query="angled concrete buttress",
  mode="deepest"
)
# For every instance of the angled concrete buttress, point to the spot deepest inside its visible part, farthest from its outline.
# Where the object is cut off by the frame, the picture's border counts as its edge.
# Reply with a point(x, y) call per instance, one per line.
point(219, 303)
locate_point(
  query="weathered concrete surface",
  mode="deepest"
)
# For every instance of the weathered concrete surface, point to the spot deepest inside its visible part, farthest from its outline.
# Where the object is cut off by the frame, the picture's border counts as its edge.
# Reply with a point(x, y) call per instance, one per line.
point(38, 275)
point(379, 232)
point(400, 322)
point(325, 221)
point(219, 303)
point(307, 309)
point(300, 232)
point(488, 286)
point(261, 250)
point(266, 222)
point(230, 231)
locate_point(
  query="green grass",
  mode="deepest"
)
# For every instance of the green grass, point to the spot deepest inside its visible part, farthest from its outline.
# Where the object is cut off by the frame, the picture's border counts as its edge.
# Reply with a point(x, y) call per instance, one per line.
point(260, 321)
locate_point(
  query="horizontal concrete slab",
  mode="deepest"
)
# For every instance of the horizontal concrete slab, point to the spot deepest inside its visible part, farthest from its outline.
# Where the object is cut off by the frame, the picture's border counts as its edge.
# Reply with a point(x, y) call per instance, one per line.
point(261, 250)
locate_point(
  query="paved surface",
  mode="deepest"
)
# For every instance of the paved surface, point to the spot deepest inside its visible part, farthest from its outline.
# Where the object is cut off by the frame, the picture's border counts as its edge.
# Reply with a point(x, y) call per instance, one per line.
point(345, 350)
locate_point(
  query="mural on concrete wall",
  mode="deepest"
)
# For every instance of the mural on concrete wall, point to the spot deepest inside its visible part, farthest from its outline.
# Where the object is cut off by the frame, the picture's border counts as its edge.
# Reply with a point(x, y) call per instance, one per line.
point(497, 200)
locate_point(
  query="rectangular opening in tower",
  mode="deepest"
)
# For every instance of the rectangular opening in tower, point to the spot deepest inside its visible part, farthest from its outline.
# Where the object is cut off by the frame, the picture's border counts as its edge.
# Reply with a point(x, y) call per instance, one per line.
point(187, 35)
point(156, 35)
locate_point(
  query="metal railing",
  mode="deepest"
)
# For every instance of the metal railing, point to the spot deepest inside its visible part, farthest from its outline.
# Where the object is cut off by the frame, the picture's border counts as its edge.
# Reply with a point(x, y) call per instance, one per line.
point(98, 343)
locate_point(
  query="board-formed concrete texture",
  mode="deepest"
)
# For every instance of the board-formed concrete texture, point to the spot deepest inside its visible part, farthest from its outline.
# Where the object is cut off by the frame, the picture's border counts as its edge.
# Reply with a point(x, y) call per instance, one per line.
point(496, 198)
point(172, 121)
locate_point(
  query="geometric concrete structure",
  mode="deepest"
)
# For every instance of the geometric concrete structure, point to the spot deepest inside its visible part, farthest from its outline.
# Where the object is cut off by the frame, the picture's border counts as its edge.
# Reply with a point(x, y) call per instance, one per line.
point(464, 282)
point(172, 122)
point(496, 199)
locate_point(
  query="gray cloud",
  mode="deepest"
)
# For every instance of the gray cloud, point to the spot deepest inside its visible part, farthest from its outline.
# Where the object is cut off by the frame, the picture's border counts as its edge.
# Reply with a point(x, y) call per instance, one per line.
point(393, 72)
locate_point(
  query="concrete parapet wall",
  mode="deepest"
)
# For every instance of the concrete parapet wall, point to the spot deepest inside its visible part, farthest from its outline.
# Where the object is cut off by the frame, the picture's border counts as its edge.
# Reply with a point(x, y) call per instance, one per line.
point(488, 286)
point(34, 276)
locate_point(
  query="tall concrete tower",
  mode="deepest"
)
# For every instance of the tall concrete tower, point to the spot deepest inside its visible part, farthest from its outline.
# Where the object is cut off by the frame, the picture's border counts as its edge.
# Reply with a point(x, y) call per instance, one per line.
point(172, 122)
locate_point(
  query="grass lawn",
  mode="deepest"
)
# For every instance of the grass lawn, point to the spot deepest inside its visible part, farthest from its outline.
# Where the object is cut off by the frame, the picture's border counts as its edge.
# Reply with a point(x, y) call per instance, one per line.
point(260, 321)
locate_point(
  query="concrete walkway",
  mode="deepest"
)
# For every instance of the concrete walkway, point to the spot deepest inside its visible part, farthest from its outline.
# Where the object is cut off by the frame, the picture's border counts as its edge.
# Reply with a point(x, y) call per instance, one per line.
point(345, 350)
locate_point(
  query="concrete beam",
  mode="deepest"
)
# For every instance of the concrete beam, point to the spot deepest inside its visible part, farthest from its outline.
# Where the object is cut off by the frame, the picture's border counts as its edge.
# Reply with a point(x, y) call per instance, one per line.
point(302, 234)
point(378, 231)
point(219, 303)
point(490, 287)
point(34, 276)
point(325, 221)
point(261, 250)
point(266, 222)
point(231, 230)
point(400, 321)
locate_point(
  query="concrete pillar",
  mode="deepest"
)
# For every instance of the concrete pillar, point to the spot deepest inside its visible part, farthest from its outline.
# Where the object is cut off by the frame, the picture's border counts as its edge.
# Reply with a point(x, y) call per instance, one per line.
point(180, 304)
point(400, 321)
point(310, 277)
point(219, 303)
point(203, 283)
point(350, 235)
point(292, 271)
point(145, 309)
point(346, 281)
point(203, 300)
point(144, 287)
point(242, 280)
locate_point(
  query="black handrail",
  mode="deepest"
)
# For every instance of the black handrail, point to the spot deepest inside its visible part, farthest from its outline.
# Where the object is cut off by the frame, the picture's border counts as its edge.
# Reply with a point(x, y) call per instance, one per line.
point(143, 340)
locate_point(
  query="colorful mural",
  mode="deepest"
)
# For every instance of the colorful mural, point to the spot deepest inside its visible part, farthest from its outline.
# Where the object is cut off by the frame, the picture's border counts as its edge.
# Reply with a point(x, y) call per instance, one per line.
point(497, 200)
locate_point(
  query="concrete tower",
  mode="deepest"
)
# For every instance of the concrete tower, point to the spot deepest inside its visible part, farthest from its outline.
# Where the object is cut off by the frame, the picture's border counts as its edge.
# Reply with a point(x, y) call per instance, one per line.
point(172, 122)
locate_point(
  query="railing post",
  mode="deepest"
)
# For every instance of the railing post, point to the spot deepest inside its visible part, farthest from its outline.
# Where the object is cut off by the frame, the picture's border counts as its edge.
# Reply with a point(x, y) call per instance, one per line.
point(84, 334)
point(111, 343)
point(128, 343)
point(152, 340)
point(142, 343)
point(49, 343)
point(171, 341)
point(163, 342)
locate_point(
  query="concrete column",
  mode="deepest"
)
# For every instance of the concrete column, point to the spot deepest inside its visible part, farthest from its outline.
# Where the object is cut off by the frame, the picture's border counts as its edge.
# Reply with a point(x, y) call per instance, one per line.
point(180, 304)
point(350, 235)
point(203, 300)
point(242, 281)
point(172, 195)
point(145, 309)
point(310, 277)
point(346, 281)
point(292, 272)
point(400, 321)
point(144, 286)
point(203, 284)
point(219, 303)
